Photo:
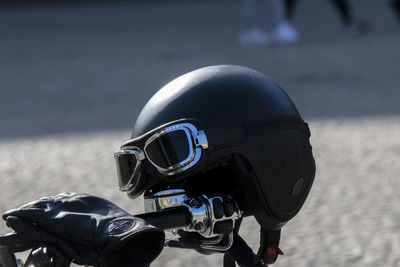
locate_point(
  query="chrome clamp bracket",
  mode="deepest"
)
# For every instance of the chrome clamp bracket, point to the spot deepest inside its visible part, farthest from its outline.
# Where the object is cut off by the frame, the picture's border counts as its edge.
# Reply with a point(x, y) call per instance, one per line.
point(211, 217)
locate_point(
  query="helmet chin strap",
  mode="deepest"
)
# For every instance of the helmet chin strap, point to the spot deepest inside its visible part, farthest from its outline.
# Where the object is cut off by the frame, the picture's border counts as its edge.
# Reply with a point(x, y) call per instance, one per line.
point(242, 254)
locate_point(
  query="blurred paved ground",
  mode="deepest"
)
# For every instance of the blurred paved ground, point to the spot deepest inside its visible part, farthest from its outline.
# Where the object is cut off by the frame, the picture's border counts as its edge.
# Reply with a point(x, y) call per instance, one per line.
point(74, 77)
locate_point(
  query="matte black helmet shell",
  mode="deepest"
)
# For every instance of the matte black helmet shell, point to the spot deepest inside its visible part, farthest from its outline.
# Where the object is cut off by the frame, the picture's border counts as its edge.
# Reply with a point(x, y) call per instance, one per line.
point(215, 95)
point(273, 161)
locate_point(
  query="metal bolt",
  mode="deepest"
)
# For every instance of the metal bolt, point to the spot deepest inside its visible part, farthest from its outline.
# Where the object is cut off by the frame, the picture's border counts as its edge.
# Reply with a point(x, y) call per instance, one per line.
point(195, 203)
point(198, 226)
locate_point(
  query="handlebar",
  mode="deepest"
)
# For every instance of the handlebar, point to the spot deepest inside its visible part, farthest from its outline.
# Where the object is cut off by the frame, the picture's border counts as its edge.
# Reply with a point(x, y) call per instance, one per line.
point(164, 219)
point(207, 223)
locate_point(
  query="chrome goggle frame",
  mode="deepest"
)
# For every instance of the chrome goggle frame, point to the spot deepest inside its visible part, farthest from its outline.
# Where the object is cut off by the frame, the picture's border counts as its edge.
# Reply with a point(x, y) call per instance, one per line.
point(197, 141)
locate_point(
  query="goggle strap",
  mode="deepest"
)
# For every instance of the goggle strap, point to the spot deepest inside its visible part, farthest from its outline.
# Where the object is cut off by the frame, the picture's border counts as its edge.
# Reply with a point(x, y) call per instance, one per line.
point(225, 134)
point(234, 132)
point(276, 124)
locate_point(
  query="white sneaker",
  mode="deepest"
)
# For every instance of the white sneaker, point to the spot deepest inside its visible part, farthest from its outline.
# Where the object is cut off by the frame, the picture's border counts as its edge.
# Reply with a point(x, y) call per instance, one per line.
point(253, 36)
point(285, 33)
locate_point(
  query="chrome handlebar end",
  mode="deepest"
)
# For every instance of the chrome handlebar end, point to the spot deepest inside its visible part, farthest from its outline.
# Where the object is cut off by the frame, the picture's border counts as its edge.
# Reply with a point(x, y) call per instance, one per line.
point(214, 218)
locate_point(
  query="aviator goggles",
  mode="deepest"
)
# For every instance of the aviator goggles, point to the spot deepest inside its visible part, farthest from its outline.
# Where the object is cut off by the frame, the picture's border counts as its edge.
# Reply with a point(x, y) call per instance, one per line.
point(171, 149)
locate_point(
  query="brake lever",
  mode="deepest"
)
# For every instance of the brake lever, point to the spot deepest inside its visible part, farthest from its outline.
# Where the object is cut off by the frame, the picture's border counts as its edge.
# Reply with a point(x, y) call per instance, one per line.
point(46, 257)
point(219, 244)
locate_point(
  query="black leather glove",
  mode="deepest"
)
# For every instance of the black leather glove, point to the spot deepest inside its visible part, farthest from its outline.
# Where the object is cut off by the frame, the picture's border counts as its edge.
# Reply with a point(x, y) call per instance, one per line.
point(86, 229)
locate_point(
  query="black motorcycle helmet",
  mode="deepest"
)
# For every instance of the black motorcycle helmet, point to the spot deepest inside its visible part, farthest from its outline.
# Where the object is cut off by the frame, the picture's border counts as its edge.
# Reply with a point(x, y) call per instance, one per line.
point(257, 148)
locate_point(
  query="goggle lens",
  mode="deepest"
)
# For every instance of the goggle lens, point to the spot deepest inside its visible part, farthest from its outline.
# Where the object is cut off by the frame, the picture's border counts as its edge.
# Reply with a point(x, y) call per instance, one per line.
point(169, 149)
point(125, 163)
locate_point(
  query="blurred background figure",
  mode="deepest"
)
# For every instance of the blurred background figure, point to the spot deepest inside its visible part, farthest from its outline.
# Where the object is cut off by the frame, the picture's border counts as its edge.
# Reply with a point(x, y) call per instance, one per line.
point(353, 24)
point(396, 7)
point(250, 32)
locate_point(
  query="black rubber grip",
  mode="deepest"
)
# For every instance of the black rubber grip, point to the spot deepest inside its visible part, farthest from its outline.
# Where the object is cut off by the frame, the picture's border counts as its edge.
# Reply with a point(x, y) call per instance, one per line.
point(168, 218)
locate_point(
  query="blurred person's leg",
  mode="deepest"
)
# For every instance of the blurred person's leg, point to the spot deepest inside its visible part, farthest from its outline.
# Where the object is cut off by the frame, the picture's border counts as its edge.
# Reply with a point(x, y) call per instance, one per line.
point(396, 7)
point(284, 32)
point(250, 32)
point(353, 24)
point(290, 7)
point(249, 14)
point(344, 9)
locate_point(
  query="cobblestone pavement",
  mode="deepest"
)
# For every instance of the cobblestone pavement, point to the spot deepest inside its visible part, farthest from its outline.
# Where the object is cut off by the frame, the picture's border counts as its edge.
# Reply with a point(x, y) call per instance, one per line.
point(74, 77)
point(351, 217)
